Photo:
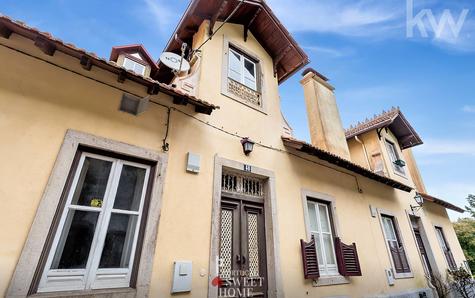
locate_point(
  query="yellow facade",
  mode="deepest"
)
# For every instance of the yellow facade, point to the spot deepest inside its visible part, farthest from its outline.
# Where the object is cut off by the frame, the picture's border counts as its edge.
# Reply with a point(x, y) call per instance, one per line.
point(39, 102)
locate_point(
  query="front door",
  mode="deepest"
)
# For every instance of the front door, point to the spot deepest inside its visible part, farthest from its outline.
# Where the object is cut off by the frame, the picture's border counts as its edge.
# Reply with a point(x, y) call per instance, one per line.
point(242, 249)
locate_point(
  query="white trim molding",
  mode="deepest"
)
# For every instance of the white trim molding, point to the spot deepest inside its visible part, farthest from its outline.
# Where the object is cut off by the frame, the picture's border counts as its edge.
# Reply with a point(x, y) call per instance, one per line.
point(31, 254)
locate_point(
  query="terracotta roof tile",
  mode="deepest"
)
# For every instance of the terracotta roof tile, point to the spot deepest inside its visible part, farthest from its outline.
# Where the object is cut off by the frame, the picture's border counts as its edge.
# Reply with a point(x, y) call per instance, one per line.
point(343, 163)
point(68, 48)
point(441, 202)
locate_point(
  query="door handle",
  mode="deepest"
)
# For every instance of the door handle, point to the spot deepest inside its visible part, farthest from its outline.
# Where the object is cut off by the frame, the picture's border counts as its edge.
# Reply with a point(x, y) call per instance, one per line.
point(238, 259)
point(243, 260)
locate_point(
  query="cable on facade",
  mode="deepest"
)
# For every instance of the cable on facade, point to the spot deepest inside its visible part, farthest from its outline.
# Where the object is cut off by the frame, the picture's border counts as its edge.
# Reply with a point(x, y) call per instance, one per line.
point(165, 144)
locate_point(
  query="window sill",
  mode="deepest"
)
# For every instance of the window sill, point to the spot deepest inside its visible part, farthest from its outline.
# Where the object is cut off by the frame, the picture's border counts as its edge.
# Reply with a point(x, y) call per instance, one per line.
point(330, 281)
point(105, 293)
point(403, 275)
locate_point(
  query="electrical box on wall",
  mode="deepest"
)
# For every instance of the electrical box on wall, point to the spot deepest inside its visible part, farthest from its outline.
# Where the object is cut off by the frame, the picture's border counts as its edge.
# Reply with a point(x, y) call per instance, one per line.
point(193, 163)
point(182, 276)
point(390, 277)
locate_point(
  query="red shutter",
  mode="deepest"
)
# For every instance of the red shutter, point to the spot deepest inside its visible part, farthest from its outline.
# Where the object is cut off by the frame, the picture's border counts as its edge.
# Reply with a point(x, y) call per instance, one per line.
point(309, 259)
point(401, 265)
point(347, 258)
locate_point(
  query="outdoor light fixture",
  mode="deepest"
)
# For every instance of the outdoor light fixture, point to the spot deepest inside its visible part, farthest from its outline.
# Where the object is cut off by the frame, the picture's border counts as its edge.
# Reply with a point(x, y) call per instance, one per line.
point(419, 200)
point(247, 145)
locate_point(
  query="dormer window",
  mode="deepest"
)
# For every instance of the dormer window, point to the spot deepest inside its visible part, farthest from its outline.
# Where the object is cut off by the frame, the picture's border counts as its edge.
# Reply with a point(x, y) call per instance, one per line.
point(134, 66)
point(242, 69)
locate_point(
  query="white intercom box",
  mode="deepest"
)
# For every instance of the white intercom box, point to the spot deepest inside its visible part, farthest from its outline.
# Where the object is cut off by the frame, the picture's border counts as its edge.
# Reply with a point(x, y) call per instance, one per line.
point(390, 277)
point(182, 276)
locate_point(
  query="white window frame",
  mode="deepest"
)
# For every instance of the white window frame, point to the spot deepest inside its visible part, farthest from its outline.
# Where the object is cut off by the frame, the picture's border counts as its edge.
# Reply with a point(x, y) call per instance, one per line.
point(135, 65)
point(243, 59)
point(393, 156)
point(312, 196)
point(381, 214)
point(92, 277)
point(325, 268)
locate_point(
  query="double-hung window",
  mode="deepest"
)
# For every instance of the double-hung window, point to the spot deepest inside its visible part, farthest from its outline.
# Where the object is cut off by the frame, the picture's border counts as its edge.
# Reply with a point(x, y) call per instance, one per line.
point(95, 243)
point(445, 248)
point(321, 228)
point(394, 157)
point(242, 69)
point(134, 66)
point(395, 246)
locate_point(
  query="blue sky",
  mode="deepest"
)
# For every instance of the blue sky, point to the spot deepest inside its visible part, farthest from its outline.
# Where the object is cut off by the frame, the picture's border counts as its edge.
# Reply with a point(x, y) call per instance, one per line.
point(361, 45)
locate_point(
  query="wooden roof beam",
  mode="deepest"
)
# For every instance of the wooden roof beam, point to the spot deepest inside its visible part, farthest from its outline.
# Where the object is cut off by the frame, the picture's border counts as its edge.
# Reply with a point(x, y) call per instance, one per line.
point(4, 31)
point(216, 15)
point(280, 57)
point(86, 62)
point(45, 46)
point(248, 25)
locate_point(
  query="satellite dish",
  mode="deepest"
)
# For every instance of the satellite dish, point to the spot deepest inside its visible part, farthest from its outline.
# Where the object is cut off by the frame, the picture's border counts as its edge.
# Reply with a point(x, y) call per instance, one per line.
point(174, 61)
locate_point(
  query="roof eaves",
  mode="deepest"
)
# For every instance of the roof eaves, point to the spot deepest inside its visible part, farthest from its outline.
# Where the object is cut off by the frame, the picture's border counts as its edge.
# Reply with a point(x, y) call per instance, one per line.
point(22, 29)
point(343, 163)
point(442, 203)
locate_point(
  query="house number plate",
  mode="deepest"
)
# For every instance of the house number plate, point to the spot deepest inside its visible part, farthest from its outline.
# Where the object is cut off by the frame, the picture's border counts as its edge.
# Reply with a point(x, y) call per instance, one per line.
point(247, 168)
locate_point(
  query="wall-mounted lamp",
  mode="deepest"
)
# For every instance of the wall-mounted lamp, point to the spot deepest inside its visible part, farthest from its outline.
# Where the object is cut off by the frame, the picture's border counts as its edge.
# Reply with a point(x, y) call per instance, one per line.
point(419, 200)
point(247, 145)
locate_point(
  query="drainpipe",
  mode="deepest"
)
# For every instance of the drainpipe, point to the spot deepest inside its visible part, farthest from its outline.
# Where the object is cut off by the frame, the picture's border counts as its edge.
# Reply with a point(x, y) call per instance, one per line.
point(365, 151)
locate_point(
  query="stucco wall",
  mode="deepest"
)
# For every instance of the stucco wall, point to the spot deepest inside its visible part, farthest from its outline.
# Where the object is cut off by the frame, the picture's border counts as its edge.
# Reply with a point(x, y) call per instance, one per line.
point(39, 102)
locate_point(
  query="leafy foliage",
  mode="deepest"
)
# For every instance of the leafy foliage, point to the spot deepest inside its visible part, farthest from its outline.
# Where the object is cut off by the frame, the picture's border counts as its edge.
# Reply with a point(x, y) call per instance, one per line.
point(465, 230)
point(471, 205)
point(462, 282)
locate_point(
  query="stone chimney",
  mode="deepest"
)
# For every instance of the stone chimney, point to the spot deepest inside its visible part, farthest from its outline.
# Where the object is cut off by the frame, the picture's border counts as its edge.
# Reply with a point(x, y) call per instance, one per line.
point(326, 129)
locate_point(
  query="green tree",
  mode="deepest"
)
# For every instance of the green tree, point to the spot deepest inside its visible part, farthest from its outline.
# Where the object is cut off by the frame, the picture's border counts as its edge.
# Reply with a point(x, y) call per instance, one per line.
point(471, 205)
point(465, 230)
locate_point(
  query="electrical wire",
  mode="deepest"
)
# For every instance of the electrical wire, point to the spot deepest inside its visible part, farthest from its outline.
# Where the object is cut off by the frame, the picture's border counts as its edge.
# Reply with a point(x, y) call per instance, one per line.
point(165, 144)
point(220, 26)
point(269, 147)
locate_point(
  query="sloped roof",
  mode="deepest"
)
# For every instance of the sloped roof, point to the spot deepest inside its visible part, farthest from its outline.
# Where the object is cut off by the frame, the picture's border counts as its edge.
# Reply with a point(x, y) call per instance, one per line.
point(255, 15)
point(343, 163)
point(49, 44)
point(395, 121)
point(134, 48)
point(441, 202)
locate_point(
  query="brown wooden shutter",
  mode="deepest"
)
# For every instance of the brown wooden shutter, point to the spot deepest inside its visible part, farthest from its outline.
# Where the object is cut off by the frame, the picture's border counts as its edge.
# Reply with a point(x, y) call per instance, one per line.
point(309, 259)
point(401, 265)
point(347, 258)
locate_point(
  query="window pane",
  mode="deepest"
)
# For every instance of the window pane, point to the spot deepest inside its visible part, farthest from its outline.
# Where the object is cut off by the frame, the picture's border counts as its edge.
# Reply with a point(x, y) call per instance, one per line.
point(391, 151)
point(92, 182)
point(119, 241)
point(389, 228)
point(328, 245)
point(312, 217)
point(324, 221)
point(76, 239)
point(139, 68)
point(319, 249)
point(234, 66)
point(129, 191)
point(129, 64)
point(249, 70)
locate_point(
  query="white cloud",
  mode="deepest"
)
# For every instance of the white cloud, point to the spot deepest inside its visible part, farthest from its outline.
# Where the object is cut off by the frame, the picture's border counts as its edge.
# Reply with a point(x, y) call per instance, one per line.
point(352, 18)
point(163, 15)
point(327, 51)
point(447, 146)
point(468, 109)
